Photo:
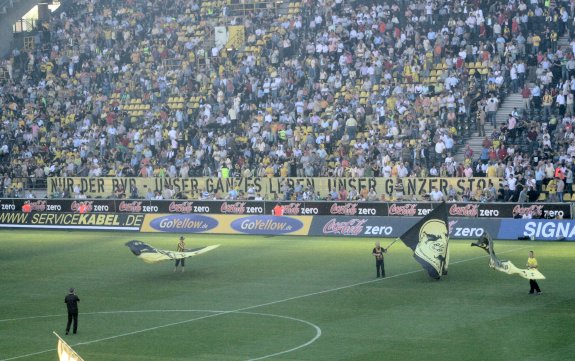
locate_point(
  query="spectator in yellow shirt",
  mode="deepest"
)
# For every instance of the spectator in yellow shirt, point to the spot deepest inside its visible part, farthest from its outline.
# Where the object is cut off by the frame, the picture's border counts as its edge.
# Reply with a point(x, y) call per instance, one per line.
point(547, 102)
point(536, 41)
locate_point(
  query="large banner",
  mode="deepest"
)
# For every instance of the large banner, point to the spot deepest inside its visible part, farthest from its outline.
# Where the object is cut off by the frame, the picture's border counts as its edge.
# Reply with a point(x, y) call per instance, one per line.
point(93, 221)
point(227, 224)
point(429, 241)
point(191, 187)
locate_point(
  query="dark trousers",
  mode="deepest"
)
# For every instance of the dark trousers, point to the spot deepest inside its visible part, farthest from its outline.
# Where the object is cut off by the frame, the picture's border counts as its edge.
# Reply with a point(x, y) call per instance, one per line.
point(380, 268)
point(534, 286)
point(72, 316)
point(181, 261)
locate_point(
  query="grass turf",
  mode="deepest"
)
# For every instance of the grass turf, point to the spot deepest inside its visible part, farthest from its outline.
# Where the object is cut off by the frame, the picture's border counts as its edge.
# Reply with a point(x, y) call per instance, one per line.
point(258, 296)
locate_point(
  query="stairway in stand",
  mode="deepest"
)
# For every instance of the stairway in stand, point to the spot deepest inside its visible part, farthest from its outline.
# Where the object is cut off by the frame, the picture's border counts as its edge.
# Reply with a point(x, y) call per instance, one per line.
point(512, 101)
point(563, 42)
point(475, 141)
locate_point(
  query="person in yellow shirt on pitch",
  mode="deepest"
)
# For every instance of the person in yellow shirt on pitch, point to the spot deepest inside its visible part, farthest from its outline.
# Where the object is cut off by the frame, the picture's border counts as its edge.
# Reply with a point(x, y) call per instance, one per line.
point(532, 264)
point(180, 248)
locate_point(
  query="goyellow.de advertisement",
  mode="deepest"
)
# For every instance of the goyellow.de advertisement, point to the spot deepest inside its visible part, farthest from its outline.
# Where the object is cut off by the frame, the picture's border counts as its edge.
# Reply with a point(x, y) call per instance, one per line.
point(227, 224)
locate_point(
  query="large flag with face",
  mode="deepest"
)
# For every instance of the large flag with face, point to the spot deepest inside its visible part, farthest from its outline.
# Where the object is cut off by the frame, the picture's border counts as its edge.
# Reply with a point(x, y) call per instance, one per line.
point(486, 243)
point(429, 240)
point(150, 254)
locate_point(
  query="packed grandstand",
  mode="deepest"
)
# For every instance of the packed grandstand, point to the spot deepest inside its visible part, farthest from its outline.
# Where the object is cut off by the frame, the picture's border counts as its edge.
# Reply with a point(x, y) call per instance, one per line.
point(325, 88)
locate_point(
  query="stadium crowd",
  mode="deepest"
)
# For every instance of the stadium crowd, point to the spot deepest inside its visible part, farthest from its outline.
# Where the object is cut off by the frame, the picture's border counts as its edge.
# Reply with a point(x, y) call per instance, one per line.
point(320, 88)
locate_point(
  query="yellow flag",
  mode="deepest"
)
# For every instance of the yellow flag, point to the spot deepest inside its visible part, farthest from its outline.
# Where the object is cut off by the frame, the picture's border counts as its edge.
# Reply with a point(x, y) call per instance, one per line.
point(510, 269)
point(486, 243)
point(65, 352)
point(150, 254)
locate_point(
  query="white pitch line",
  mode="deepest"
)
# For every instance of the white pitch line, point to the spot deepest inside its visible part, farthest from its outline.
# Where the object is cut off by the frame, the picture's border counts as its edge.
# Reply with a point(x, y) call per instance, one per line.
point(256, 306)
point(29, 318)
point(368, 282)
point(215, 312)
point(317, 335)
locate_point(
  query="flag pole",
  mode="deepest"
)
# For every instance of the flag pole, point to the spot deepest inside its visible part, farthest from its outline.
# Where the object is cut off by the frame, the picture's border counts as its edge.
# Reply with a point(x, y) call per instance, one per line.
point(391, 244)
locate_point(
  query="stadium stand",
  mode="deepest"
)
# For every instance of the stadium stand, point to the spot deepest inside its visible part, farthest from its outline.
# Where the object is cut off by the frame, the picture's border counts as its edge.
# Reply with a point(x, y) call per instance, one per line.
point(308, 88)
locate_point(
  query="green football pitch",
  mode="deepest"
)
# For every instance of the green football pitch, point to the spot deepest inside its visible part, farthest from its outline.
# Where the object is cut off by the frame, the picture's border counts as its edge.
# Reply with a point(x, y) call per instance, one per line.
point(279, 298)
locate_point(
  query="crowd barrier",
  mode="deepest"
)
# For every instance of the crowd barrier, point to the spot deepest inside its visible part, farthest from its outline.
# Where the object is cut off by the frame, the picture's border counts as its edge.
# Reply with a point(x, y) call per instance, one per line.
point(320, 208)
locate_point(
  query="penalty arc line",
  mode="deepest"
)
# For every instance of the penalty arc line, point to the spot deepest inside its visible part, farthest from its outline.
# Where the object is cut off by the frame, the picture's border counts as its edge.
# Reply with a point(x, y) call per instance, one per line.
point(217, 313)
point(317, 335)
point(254, 307)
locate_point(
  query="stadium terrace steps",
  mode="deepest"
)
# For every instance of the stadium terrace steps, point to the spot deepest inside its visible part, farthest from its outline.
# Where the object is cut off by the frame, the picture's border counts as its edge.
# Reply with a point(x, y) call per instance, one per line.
point(475, 141)
point(512, 101)
point(563, 41)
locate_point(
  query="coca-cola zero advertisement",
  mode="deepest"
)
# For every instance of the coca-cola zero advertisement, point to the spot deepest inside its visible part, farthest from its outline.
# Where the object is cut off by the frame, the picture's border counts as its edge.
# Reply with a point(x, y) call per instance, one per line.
point(291, 208)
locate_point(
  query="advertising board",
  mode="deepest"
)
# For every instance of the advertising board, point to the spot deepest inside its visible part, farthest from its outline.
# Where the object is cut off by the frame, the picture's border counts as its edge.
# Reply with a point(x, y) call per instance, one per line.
point(537, 229)
point(88, 221)
point(291, 208)
point(227, 224)
point(391, 227)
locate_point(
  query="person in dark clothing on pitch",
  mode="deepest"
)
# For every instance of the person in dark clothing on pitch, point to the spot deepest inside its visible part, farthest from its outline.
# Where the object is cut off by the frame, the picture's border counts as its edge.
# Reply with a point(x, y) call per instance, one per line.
point(378, 252)
point(71, 302)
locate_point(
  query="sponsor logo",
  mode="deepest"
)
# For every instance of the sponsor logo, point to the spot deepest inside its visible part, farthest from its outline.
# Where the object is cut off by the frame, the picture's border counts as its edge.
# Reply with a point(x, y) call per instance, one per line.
point(378, 230)
point(13, 218)
point(468, 210)
point(291, 209)
point(353, 227)
point(75, 206)
point(38, 206)
point(465, 232)
point(408, 209)
point(266, 225)
point(233, 208)
point(190, 223)
point(134, 207)
point(348, 209)
point(535, 211)
point(184, 207)
point(550, 230)
point(63, 220)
